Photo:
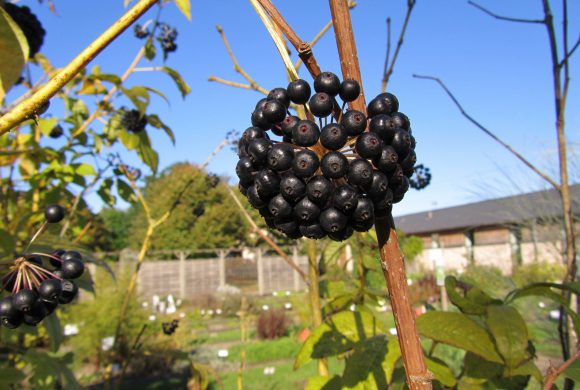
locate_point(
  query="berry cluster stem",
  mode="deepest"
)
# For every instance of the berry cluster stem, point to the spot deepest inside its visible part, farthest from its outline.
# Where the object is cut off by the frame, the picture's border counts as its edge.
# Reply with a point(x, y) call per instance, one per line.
point(392, 258)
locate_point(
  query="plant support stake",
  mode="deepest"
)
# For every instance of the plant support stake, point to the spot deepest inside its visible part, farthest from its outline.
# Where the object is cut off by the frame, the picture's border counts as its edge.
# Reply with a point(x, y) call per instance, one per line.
point(392, 259)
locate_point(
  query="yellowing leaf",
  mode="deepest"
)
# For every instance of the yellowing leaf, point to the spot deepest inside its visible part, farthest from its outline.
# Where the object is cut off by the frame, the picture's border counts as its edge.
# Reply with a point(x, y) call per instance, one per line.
point(185, 7)
point(14, 49)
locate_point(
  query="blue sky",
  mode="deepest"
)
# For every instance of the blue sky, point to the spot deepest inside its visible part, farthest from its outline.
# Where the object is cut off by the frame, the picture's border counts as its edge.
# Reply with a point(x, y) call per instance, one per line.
point(500, 71)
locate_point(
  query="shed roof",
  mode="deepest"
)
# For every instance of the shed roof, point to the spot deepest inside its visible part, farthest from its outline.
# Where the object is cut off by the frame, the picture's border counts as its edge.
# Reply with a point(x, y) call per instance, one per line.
point(501, 211)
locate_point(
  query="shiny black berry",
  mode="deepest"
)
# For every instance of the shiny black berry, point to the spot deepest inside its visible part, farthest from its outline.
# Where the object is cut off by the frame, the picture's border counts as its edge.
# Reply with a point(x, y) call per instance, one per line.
point(72, 268)
point(332, 220)
point(328, 83)
point(306, 211)
point(354, 122)
point(385, 103)
point(305, 163)
point(258, 150)
point(313, 231)
point(56, 132)
point(388, 159)
point(305, 133)
point(279, 207)
point(360, 172)
point(334, 165)
point(280, 94)
point(319, 189)
point(379, 185)
point(384, 126)
point(280, 157)
point(333, 136)
point(368, 145)
point(259, 120)
point(288, 124)
point(50, 289)
point(274, 111)
point(69, 292)
point(54, 213)
point(25, 299)
point(292, 188)
point(320, 104)
point(134, 121)
point(349, 90)
point(267, 183)
point(299, 91)
point(345, 199)
point(10, 316)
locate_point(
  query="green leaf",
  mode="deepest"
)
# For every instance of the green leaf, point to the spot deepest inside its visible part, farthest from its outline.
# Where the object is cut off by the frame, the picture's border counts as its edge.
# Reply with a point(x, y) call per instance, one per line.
point(105, 192)
point(14, 49)
point(527, 369)
point(337, 335)
point(85, 169)
point(129, 139)
point(7, 242)
point(393, 356)
point(150, 49)
point(139, 96)
point(158, 124)
point(54, 331)
point(185, 8)
point(441, 371)
point(573, 372)
point(324, 383)
point(125, 191)
point(510, 332)
point(364, 365)
point(476, 367)
point(181, 84)
point(147, 154)
point(475, 300)
point(46, 125)
point(10, 376)
point(458, 330)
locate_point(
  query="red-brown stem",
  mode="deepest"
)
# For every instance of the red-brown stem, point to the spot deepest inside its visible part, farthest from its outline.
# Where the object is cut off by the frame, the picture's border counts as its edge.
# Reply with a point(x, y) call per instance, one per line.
point(392, 259)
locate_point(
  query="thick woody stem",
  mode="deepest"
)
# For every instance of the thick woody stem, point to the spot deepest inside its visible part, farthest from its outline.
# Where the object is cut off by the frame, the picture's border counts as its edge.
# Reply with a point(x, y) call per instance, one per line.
point(392, 259)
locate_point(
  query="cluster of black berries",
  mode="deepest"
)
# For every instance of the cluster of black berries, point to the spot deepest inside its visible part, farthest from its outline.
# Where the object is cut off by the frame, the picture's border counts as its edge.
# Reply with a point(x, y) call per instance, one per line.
point(169, 327)
point(212, 180)
point(134, 121)
point(140, 31)
point(199, 209)
point(56, 132)
point(167, 38)
point(421, 178)
point(328, 178)
point(29, 24)
point(35, 289)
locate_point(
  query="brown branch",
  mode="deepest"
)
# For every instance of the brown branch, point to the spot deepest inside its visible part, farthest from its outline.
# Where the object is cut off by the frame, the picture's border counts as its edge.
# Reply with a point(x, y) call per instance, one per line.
point(489, 133)
point(569, 54)
point(555, 372)
point(392, 259)
point(303, 48)
point(506, 18)
point(237, 66)
point(387, 74)
point(268, 240)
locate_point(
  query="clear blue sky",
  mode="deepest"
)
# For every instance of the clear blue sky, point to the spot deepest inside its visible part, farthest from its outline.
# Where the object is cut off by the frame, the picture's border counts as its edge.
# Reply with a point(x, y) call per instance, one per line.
point(500, 71)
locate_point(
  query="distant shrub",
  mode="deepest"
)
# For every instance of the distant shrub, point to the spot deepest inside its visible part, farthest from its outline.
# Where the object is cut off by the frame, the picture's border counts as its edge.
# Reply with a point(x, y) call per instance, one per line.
point(487, 278)
point(538, 272)
point(272, 324)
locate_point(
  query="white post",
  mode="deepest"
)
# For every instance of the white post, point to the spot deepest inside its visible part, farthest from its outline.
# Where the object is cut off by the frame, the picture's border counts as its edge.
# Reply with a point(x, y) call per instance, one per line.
point(222, 267)
point(294, 273)
point(260, 265)
point(182, 278)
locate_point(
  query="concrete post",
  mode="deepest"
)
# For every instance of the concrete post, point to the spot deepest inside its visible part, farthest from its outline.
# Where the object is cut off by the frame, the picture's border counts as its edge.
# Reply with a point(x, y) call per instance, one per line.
point(260, 264)
point(182, 278)
point(222, 267)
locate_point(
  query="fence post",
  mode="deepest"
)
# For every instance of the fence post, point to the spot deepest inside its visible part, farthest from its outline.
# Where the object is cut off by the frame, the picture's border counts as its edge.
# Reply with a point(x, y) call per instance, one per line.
point(182, 278)
point(260, 265)
point(294, 272)
point(222, 267)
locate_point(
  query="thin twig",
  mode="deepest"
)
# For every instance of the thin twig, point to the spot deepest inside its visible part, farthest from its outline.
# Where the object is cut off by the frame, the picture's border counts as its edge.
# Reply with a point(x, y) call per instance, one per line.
point(488, 132)
point(30, 106)
point(387, 74)
point(237, 66)
point(506, 18)
point(554, 373)
point(265, 237)
point(237, 85)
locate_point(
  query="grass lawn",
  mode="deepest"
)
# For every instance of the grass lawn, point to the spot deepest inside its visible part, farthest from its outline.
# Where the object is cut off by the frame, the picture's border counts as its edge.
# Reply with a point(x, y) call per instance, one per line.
point(284, 378)
point(266, 350)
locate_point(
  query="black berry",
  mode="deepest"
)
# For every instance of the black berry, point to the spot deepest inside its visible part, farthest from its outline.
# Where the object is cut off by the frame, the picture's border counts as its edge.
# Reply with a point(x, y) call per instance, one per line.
point(328, 83)
point(334, 165)
point(299, 91)
point(54, 213)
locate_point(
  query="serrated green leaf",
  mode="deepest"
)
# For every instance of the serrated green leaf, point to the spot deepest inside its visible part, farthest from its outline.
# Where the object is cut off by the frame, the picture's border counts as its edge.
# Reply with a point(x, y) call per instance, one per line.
point(337, 335)
point(458, 330)
point(14, 49)
point(158, 124)
point(510, 332)
point(139, 96)
point(185, 8)
point(54, 331)
point(125, 191)
point(10, 376)
point(7, 242)
point(181, 84)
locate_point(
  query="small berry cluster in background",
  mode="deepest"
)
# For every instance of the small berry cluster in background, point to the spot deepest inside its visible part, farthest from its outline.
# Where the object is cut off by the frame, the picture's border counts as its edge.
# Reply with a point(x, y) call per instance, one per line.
point(328, 177)
point(170, 327)
point(166, 37)
point(35, 288)
point(421, 178)
point(29, 24)
point(134, 121)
